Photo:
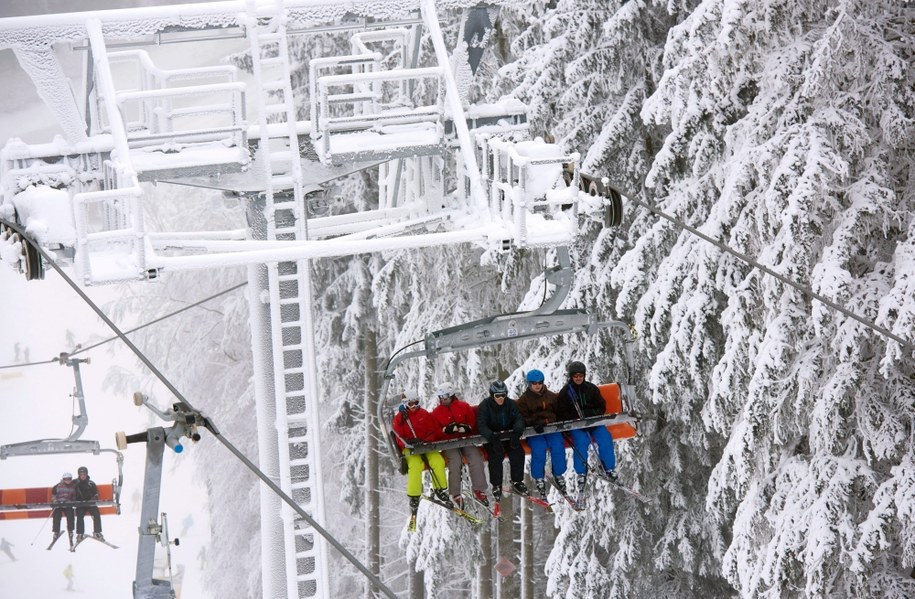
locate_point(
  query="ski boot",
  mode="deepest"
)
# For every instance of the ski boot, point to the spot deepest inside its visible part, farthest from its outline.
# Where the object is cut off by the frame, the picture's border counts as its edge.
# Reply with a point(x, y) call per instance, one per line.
point(98, 535)
point(497, 492)
point(519, 487)
point(540, 486)
point(580, 483)
point(80, 537)
point(442, 495)
point(612, 476)
point(481, 497)
point(414, 503)
point(55, 536)
point(458, 501)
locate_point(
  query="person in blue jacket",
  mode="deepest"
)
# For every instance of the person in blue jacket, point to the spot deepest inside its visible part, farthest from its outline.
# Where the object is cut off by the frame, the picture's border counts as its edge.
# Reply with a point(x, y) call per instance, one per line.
point(500, 422)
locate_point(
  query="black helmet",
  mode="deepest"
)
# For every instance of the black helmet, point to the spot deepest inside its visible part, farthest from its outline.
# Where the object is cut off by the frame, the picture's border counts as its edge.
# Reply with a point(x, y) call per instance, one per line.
point(576, 368)
point(82, 470)
point(498, 387)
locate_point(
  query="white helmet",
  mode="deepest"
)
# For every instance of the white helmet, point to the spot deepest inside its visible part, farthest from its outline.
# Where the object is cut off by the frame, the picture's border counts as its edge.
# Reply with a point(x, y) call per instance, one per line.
point(66, 475)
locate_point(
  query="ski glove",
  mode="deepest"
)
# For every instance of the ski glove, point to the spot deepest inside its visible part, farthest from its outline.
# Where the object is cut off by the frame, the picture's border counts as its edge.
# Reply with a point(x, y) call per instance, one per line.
point(450, 429)
point(462, 429)
point(538, 426)
point(403, 409)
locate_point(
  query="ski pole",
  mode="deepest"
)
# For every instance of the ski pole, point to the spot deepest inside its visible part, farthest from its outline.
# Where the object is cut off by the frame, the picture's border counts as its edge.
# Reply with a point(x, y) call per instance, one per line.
point(435, 481)
point(43, 524)
point(583, 458)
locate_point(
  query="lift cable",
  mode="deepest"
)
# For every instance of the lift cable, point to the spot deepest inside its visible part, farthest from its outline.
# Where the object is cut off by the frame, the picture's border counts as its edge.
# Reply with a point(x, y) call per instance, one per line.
point(908, 345)
point(210, 425)
point(80, 349)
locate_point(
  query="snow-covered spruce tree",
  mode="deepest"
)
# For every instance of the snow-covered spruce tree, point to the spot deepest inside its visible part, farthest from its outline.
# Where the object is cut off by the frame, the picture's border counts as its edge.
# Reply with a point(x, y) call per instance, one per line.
point(206, 353)
point(787, 126)
point(591, 101)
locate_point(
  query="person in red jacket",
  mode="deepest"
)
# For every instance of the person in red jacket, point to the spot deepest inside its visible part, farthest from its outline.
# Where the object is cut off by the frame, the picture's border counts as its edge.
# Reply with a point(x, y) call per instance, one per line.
point(412, 424)
point(457, 419)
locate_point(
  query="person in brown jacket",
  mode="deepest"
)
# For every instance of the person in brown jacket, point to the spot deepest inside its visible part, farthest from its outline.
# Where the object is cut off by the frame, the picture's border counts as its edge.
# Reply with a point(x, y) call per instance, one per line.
point(538, 406)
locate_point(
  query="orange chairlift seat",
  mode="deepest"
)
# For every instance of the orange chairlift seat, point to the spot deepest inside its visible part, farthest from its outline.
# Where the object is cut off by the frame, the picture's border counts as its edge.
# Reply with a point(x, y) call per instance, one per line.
point(621, 424)
point(35, 502)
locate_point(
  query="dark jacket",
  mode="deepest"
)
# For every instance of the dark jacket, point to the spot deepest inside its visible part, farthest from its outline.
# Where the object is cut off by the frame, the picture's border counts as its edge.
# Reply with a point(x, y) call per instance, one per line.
point(63, 492)
point(586, 396)
point(86, 490)
point(538, 409)
point(493, 419)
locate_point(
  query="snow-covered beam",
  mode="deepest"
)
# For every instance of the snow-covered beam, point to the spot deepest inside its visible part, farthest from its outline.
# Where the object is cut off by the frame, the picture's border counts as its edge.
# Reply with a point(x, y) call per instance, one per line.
point(139, 22)
point(41, 65)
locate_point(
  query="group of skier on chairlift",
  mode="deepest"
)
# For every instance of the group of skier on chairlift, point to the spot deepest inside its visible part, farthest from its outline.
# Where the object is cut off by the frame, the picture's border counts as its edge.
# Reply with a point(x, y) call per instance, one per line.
point(501, 420)
point(84, 493)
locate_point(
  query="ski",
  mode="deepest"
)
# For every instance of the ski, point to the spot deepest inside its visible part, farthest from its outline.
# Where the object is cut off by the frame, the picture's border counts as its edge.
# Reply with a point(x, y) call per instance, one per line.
point(565, 495)
point(631, 492)
point(469, 517)
point(536, 500)
point(615, 484)
point(486, 506)
point(54, 540)
point(411, 525)
point(102, 541)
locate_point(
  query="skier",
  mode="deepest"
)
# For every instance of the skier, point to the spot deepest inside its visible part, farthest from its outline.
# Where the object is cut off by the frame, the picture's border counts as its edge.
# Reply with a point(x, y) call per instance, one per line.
point(457, 419)
point(5, 548)
point(87, 491)
point(413, 424)
point(63, 492)
point(538, 407)
point(498, 417)
point(581, 399)
point(68, 574)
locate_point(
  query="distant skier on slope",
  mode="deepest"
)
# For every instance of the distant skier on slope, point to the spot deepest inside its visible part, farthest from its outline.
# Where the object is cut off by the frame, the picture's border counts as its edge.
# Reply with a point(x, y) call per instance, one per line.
point(581, 399)
point(5, 547)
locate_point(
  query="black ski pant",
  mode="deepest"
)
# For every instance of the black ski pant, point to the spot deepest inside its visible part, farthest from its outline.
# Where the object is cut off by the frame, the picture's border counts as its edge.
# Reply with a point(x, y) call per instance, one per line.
point(81, 512)
point(496, 454)
point(62, 511)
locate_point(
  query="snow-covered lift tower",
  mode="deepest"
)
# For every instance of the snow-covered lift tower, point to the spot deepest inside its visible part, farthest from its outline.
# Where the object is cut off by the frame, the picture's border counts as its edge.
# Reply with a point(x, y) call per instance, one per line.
point(448, 172)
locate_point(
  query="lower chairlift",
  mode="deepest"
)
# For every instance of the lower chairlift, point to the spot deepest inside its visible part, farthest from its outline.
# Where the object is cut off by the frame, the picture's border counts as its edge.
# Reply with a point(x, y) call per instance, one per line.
point(35, 502)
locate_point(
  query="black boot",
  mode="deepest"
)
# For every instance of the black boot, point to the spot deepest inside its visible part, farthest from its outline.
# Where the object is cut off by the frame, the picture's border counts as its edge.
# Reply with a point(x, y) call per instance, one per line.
point(442, 496)
point(414, 503)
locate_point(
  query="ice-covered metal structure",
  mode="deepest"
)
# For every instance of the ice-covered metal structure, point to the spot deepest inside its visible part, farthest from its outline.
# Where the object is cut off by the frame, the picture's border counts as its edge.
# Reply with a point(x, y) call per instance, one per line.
point(278, 135)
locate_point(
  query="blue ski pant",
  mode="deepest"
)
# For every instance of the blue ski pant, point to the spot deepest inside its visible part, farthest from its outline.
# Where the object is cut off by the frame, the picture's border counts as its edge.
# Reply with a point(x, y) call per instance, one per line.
point(539, 445)
point(581, 440)
point(415, 465)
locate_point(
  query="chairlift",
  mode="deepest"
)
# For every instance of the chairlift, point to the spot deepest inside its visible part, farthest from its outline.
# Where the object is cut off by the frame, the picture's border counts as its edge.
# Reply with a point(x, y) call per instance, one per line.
point(35, 502)
point(545, 320)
